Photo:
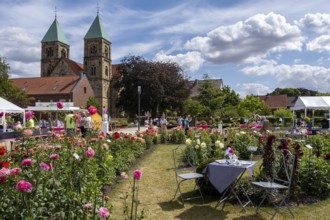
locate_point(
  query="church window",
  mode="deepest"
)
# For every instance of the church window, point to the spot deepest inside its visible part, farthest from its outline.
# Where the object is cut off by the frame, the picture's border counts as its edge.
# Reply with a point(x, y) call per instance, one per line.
point(106, 71)
point(63, 53)
point(93, 70)
point(49, 52)
point(93, 49)
point(106, 52)
point(85, 90)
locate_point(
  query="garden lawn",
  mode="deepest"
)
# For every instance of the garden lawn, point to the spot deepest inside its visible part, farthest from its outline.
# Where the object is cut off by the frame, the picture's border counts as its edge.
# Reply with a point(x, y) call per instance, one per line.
point(157, 187)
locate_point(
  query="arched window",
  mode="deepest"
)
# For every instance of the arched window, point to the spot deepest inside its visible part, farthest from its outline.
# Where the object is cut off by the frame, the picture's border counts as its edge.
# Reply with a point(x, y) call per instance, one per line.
point(93, 70)
point(93, 49)
point(106, 71)
point(106, 52)
point(49, 52)
point(63, 53)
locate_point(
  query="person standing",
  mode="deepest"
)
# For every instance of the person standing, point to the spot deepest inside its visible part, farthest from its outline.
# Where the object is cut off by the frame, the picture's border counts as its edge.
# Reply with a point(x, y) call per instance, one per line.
point(186, 123)
point(180, 120)
point(88, 124)
point(69, 124)
point(163, 123)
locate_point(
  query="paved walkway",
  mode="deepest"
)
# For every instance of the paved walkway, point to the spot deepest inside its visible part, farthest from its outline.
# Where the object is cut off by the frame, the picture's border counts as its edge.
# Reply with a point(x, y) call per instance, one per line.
point(132, 130)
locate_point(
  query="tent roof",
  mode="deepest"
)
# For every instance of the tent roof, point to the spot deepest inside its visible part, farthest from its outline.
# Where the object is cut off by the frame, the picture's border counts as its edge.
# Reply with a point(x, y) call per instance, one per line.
point(51, 109)
point(6, 106)
point(312, 102)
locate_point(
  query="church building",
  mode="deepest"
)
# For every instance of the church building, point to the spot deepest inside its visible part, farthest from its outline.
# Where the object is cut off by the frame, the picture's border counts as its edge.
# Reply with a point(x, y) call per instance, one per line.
point(59, 73)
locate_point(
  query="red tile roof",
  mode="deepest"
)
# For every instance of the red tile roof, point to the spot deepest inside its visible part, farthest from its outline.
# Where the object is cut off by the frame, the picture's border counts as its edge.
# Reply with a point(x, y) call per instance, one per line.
point(46, 85)
point(275, 101)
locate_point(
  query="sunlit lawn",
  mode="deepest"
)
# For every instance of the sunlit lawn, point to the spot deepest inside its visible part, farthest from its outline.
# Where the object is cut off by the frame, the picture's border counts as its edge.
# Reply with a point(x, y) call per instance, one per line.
point(158, 185)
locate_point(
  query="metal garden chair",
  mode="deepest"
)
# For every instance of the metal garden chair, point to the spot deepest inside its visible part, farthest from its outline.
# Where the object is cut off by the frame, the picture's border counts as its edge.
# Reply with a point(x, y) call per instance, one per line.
point(278, 189)
point(184, 166)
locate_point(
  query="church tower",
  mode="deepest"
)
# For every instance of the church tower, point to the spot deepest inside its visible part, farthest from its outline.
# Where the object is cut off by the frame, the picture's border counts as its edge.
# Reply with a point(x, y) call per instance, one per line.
point(54, 46)
point(97, 61)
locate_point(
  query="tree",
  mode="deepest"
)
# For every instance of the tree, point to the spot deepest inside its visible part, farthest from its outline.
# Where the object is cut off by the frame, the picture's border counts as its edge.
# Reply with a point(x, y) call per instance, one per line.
point(252, 105)
point(193, 107)
point(162, 84)
point(286, 91)
point(93, 102)
point(8, 90)
point(215, 100)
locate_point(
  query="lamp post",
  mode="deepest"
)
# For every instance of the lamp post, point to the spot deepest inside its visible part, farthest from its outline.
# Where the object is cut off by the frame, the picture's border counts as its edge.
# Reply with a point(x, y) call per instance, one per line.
point(139, 119)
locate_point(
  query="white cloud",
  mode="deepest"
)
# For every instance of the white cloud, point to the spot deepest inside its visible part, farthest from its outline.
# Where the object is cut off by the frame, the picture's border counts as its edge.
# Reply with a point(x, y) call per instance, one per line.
point(295, 76)
point(254, 37)
point(245, 89)
point(190, 61)
point(319, 44)
point(319, 22)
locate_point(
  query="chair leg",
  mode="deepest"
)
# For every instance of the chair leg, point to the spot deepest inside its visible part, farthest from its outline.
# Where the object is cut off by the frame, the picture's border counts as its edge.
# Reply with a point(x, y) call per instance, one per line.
point(262, 201)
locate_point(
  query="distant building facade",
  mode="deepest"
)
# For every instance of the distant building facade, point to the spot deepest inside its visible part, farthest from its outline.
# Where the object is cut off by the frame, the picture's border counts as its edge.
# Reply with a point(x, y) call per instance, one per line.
point(64, 79)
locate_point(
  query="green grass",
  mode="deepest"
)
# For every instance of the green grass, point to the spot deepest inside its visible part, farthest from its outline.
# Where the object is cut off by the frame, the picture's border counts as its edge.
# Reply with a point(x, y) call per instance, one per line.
point(158, 185)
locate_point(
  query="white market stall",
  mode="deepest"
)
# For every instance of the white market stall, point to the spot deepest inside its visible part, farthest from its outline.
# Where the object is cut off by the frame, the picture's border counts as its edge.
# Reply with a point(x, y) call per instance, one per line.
point(8, 107)
point(312, 102)
point(49, 107)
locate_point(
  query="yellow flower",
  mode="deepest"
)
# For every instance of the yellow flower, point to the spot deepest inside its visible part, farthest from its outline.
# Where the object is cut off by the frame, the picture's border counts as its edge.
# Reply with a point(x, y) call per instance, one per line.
point(203, 145)
point(188, 142)
point(109, 157)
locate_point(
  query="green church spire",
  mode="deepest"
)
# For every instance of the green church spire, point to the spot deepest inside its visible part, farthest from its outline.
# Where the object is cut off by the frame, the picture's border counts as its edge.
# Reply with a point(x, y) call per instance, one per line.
point(96, 30)
point(55, 33)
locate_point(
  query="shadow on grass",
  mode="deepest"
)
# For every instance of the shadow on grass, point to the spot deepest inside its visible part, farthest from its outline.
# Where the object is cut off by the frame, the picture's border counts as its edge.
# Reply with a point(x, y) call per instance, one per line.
point(202, 212)
point(254, 216)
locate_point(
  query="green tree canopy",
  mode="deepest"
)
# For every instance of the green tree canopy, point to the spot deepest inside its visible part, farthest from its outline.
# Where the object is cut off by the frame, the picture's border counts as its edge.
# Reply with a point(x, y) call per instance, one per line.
point(286, 91)
point(286, 113)
point(215, 100)
point(8, 90)
point(252, 105)
point(162, 84)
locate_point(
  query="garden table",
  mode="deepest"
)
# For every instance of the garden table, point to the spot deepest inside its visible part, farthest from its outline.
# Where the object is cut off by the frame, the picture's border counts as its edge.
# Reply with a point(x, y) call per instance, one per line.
point(225, 177)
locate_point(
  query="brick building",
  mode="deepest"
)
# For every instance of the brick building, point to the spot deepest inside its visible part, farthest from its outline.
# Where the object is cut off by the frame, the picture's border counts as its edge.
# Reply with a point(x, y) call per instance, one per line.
point(64, 79)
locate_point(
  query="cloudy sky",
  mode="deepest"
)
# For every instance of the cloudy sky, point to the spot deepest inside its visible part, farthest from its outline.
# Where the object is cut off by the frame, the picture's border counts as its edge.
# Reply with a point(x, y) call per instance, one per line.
point(255, 46)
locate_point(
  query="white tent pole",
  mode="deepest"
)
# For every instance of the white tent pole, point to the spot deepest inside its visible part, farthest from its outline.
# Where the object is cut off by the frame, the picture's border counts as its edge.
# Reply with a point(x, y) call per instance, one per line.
point(305, 112)
point(24, 119)
point(4, 122)
point(313, 117)
point(293, 118)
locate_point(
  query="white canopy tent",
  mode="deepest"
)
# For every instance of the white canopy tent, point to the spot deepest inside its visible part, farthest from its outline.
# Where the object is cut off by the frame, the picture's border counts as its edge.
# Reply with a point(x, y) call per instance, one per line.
point(313, 102)
point(8, 107)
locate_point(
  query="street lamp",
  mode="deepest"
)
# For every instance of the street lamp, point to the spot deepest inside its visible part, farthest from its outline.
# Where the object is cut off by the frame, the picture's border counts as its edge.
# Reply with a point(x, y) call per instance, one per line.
point(139, 120)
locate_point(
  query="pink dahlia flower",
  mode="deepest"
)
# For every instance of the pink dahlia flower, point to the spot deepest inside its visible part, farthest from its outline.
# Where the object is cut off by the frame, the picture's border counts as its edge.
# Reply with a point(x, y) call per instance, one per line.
point(60, 105)
point(26, 162)
point(4, 171)
point(45, 166)
point(28, 132)
point(90, 152)
point(92, 110)
point(14, 171)
point(54, 157)
point(24, 186)
point(137, 174)
point(104, 212)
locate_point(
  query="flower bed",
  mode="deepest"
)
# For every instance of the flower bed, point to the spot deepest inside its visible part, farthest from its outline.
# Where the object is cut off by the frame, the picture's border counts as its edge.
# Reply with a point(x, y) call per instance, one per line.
point(62, 177)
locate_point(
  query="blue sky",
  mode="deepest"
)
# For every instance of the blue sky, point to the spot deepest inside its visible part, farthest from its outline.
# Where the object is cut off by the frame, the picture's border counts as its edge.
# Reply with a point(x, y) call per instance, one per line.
point(255, 46)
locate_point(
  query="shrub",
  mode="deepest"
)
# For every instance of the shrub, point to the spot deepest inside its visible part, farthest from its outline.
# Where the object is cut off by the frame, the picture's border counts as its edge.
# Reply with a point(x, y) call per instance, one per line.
point(315, 177)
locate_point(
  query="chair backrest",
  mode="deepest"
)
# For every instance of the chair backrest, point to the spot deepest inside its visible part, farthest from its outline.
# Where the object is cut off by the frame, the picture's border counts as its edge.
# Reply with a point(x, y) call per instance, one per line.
point(284, 168)
point(184, 159)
